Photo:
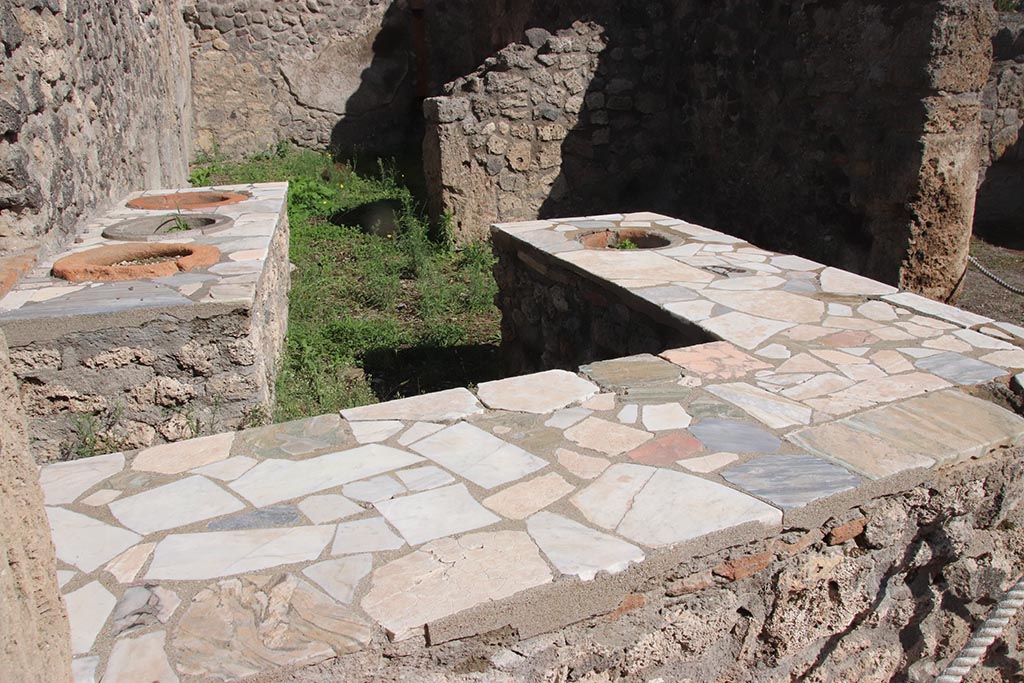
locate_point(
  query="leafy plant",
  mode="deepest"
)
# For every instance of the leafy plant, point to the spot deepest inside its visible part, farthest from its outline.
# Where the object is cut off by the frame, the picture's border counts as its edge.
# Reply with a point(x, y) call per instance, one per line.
point(178, 223)
point(626, 244)
point(200, 176)
point(94, 434)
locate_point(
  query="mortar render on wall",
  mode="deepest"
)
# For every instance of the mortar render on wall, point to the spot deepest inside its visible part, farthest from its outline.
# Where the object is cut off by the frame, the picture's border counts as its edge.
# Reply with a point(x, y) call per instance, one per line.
point(94, 102)
point(313, 72)
point(859, 128)
point(34, 638)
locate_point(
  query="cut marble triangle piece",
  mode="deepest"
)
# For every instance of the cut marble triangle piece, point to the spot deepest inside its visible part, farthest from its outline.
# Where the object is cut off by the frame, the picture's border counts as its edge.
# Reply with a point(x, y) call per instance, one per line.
point(64, 482)
point(744, 330)
point(418, 431)
point(365, 536)
point(375, 431)
point(340, 577)
point(803, 362)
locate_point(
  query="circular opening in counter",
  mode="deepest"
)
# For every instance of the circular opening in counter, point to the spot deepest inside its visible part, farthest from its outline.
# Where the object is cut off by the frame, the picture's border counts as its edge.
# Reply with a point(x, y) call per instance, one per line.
point(183, 201)
point(625, 239)
point(134, 261)
point(152, 228)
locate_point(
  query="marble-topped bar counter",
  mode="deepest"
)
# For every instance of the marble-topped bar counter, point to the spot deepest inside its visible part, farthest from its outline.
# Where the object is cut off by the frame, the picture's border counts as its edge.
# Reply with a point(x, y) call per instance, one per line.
point(157, 353)
point(539, 500)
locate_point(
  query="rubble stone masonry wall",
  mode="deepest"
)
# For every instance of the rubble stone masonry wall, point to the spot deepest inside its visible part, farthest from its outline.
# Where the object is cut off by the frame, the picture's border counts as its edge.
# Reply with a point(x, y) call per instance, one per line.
point(313, 72)
point(853, 141)
point(1000, 204)
point(94, 102)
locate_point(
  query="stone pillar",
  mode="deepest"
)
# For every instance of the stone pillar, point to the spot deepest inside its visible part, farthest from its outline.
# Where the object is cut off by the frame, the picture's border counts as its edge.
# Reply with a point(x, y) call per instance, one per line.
point(942, 209)
point(35, 645)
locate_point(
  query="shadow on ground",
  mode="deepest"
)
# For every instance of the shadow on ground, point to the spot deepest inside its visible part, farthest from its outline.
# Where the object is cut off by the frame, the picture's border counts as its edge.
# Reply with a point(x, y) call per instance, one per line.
point(424, 369)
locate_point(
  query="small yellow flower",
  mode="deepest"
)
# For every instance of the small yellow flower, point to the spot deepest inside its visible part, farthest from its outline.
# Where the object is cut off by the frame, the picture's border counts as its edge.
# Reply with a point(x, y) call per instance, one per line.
point(389, 235)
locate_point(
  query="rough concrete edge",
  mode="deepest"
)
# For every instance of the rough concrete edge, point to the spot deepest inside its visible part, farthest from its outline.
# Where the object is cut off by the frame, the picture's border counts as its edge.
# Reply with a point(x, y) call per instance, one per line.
point(566, 600)
point(21, 332)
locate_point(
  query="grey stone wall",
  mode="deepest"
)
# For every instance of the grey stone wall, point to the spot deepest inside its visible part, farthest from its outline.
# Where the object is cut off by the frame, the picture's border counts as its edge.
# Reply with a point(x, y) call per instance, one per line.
point(94, 102)
point(554, 317)
point(495, 146)
point(851, 141)
point(35, 643)
point(312, 72)
point(1000, 206)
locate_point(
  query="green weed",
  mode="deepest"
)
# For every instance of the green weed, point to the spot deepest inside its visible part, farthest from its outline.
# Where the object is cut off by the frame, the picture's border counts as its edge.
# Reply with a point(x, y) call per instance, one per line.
point(94, 434)
point(367, 311)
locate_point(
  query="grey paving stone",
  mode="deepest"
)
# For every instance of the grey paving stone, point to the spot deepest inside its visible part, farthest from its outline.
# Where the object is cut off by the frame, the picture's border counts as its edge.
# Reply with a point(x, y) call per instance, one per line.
point(110, 297)
point(791, 481)
point(958, 368)
point(264, 518)
point(735, 437)
point(634, 371)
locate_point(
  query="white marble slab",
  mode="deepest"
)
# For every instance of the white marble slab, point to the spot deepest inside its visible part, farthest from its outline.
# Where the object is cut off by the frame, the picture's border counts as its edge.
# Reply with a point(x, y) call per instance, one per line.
point(275, 480)
point(214, 554)
point(482, 458)
point(176, 504)
point(86, 542)
point(579, 550)
point(64, 482)
point(437, 513)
